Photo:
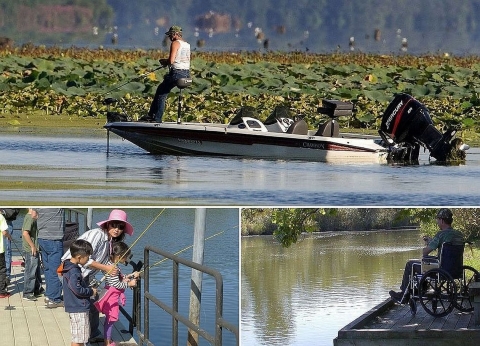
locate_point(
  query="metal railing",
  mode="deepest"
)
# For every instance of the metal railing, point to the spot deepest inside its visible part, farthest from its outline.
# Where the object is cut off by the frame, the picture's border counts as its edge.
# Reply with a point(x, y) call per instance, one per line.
point(220, 322)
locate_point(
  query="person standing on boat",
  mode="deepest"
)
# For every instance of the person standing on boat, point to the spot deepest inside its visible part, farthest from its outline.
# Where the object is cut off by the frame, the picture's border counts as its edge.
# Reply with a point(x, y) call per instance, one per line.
point(178, 63)
point(446, 234)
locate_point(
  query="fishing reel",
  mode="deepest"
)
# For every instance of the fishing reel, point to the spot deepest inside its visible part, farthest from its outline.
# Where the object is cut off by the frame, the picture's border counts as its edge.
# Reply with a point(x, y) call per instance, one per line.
point(94, 283)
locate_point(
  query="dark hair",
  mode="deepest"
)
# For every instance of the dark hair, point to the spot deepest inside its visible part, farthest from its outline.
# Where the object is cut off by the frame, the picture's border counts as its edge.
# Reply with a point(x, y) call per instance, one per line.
point(446, 215)
point(81, 247)
point(121, 236)
point(121, 250)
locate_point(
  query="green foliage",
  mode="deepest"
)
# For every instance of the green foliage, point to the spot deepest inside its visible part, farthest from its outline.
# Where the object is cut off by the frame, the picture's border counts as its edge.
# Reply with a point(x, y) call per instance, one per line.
point(79, 79)
point(291, 222)
point(288, 224)
point(466, 220)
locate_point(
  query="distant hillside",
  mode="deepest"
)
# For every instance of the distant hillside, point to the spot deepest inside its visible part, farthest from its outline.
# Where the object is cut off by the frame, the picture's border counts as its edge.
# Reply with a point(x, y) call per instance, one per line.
point(380, 26)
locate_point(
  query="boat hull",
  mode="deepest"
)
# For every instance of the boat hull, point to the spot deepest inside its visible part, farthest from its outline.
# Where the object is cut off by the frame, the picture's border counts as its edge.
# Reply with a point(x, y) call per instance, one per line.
point(220, 140)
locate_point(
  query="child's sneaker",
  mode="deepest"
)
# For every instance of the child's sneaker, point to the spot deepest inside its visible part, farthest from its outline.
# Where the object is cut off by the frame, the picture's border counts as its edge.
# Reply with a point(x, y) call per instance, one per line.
point(29, 297)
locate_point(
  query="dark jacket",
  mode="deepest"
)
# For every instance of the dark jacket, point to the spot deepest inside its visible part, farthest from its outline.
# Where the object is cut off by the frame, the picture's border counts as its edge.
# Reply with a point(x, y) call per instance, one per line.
point(76, 293)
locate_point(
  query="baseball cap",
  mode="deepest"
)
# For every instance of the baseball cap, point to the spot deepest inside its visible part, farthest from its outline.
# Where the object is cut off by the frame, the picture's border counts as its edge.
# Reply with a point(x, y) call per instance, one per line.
point(173, 29)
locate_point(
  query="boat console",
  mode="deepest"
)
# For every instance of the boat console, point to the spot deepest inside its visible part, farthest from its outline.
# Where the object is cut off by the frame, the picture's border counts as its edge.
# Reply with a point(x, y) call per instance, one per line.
point(279, 120)
point(246, 119)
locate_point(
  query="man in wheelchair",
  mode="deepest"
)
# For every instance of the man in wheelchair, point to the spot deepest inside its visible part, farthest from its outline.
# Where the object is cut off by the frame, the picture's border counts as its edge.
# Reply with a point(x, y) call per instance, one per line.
point(446, 235)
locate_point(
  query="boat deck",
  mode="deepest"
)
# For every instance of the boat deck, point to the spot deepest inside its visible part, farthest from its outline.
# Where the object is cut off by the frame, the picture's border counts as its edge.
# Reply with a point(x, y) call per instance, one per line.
point(392, 324)
point(26, 323)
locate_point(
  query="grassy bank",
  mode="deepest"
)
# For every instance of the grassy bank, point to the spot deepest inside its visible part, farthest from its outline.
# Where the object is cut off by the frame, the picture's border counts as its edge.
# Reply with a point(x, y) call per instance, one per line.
point(38, 121)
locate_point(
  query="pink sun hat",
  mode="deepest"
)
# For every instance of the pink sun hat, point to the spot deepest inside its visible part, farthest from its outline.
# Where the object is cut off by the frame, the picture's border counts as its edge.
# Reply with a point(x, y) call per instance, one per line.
point(118, 215)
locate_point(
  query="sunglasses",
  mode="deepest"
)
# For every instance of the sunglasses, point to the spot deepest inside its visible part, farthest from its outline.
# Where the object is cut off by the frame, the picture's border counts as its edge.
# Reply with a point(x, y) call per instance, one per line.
point(118, 225)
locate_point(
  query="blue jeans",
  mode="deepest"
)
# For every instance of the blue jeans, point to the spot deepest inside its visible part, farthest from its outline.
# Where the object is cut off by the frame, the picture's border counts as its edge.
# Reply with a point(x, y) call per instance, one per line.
point(8, 249)
point(33, 275)
point(157, 107)
point(52, 251)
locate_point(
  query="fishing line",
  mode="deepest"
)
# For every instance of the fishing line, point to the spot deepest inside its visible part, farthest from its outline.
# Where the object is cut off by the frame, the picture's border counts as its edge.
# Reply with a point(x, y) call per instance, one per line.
point(97, 283)
point(185, 249)
point(109, 101)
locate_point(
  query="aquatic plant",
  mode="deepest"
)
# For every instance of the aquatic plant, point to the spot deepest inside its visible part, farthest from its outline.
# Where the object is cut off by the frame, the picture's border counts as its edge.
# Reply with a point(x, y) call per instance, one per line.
point(75, 81)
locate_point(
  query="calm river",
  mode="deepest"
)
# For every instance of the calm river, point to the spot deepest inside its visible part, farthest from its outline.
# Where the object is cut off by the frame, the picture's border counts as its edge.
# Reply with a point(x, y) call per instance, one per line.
point(173, 231)
point(75, 170)
point(304, 294)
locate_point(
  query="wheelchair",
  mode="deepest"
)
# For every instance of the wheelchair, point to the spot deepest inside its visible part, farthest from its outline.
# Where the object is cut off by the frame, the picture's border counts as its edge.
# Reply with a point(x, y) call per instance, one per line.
point(441, 284)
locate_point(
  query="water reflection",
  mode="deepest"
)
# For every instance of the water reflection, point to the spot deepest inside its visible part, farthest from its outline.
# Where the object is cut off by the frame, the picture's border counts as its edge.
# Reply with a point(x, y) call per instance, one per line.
point(78, 168)
point(304, 294)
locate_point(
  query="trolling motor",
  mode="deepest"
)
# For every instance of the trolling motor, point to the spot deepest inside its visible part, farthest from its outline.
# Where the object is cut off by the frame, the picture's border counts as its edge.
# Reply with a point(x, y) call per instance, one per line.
point(407, 125)
point(115, 116)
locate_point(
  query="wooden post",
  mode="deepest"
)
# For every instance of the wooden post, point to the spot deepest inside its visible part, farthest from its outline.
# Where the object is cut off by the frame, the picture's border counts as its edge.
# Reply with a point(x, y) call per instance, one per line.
point(196, 281)
point(474, 293)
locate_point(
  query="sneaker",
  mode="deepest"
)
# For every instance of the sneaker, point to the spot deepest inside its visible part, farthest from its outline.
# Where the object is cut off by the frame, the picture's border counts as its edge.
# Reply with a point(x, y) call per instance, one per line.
point(4, 295)
point(146, 118)
point(96, 339)
point(40, 292)
point(29, 297)
point(399, 297)
point(53, 305)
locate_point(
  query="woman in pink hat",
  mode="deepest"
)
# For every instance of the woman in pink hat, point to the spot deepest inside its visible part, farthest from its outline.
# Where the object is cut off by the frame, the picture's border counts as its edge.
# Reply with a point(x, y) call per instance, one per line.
point(102, 238)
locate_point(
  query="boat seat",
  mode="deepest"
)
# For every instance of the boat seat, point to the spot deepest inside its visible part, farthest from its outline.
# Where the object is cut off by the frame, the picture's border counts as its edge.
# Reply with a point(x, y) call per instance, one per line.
point(183, 83)
point(329, 128)
point(299, 127)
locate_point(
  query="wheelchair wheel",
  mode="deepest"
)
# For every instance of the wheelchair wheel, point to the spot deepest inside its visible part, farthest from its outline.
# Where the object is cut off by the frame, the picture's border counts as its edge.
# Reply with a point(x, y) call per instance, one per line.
point(437, 292)
point(463, 302)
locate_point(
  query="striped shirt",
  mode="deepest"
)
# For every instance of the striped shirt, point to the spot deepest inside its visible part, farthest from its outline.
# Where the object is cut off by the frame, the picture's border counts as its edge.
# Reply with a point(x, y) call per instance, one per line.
point(115, 280)
point(101, 249)
point(50, 223)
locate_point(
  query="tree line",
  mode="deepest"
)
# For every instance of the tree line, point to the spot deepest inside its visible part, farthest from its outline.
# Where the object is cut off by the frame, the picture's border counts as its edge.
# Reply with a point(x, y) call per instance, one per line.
point(287, 224)
point(307, 25)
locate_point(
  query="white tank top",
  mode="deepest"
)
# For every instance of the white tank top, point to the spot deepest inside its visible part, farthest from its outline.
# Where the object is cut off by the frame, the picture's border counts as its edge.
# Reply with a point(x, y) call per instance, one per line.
point(182, 59)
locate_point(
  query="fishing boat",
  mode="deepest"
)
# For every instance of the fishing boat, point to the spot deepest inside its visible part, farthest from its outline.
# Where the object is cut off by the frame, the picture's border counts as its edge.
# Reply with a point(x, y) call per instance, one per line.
point(406, 126)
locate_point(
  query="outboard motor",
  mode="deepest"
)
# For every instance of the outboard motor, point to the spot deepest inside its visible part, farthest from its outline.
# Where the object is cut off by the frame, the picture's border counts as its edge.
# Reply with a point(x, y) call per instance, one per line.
point(406, 122)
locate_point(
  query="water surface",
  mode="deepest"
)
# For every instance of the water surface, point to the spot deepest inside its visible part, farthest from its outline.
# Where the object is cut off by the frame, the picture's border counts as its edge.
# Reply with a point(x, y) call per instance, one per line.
point(304, 294)
point(77, 170)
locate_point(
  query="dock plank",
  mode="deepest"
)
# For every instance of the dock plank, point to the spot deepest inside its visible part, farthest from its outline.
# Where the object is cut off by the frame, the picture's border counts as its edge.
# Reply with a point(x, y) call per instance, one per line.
point(393, 324)
point(26, 323)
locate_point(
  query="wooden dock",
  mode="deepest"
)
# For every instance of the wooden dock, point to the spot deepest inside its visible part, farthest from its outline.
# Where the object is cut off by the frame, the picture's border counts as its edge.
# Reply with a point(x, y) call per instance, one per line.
point(26, 323)
point(394, 325)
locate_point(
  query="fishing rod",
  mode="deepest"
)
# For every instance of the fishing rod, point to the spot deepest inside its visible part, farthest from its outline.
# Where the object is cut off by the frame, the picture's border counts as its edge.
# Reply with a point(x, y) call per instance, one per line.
point(135, 78)
point(108, 101)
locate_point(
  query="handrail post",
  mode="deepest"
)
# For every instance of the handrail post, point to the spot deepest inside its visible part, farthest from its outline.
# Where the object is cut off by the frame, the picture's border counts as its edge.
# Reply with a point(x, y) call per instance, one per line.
point(196, 280)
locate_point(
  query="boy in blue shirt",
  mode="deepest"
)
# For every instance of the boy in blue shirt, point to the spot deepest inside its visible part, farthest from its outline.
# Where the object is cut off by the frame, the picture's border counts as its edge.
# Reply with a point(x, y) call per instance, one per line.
point(76, 293)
